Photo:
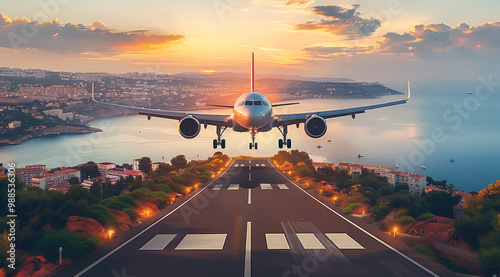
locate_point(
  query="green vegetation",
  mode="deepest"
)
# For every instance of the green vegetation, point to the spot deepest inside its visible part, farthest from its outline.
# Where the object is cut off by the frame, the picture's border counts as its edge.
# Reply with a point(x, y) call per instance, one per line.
point(480, 227)
point(437, 258)
point(43, 215)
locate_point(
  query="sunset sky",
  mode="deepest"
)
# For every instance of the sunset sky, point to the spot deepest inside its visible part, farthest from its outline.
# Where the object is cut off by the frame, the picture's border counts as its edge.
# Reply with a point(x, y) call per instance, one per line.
point(364, 40)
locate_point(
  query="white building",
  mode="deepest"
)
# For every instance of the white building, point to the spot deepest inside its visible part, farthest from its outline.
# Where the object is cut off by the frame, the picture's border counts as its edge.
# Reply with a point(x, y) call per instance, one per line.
point(416, 182)
point(104, 167)
point(14, 124)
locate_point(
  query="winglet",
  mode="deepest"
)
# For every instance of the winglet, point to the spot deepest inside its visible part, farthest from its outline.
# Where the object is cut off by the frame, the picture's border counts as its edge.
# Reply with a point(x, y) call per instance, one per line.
point(409, 92)
point(252, 85)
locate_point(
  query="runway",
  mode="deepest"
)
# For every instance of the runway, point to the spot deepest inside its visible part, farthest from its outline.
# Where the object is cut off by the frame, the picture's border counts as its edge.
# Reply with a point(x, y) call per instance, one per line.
point(254, 221)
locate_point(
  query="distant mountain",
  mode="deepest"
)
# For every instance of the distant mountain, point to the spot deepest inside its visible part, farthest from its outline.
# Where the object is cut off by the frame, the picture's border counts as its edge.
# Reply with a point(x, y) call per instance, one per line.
point(258, 76)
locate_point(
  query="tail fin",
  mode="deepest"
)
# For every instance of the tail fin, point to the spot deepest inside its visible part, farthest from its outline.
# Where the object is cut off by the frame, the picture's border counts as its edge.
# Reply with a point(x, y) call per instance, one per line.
point(252, 78)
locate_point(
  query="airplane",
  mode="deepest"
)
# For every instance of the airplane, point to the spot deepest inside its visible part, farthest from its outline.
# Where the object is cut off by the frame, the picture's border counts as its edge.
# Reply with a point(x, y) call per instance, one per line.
point(253, 113)
point(319, 146)
point(360, 156)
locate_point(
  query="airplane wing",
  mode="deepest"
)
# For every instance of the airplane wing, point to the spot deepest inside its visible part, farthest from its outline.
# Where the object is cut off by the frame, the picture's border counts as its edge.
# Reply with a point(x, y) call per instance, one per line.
point(288, 119)
point(204, 119)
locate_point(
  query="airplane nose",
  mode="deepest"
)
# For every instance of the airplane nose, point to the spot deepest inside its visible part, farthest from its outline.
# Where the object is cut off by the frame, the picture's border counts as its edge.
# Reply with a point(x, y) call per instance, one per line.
point(257, 121)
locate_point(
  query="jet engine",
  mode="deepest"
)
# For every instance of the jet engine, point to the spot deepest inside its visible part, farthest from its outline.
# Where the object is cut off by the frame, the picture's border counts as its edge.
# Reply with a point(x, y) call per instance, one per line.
point(315, 126)
point(189, 127)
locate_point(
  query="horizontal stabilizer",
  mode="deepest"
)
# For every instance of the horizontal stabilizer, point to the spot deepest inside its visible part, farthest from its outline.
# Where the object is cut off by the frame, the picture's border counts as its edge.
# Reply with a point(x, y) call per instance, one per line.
point(285, 104)
point(220, 106)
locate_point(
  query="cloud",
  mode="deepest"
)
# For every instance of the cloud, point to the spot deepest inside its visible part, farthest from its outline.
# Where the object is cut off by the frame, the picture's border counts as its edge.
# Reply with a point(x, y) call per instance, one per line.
point(298, 2)
point(69, 38)
point(327, 53)
point(341, 21)
point(440, 41)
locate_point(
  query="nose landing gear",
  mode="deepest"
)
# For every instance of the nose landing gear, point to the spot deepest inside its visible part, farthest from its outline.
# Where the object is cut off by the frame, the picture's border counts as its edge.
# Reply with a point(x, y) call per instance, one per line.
point(253, 144)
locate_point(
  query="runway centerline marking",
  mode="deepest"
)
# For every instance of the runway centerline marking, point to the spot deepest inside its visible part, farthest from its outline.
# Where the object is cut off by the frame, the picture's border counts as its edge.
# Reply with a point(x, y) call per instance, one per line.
point(248, 251)
point(202, 242)
point(277, 242)
point(343, 241)
point(249, 176)
point(309, 241)
point(265, 186)
point(233, 187)
point(282, 186)
point(249, 196)
point(159, 242)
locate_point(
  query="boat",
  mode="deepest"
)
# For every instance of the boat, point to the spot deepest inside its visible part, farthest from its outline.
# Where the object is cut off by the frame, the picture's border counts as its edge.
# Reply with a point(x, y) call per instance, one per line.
point(452, 160)
point(319, 146)
point(329, 140)
point(469, 92)
point(360, 156)
point(396, 166)
point(423, 167)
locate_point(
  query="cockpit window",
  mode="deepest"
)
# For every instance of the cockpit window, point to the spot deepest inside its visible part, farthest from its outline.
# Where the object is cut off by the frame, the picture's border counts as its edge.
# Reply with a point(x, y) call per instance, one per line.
point(257, 103)
point(248, 103)
point(241, 103)
point(265, 103)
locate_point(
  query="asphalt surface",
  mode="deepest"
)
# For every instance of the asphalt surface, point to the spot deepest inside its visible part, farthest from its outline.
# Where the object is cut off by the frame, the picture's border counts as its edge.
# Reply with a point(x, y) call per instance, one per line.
point(253, 221)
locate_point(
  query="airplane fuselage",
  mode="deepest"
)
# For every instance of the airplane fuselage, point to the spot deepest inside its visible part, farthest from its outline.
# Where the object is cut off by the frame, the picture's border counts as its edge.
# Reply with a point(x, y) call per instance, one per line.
point(252, 111)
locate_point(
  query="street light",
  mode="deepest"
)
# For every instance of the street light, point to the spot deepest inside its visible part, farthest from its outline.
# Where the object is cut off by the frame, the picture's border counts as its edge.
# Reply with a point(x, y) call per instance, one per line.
point(60, 256)
point(395, 230)
point(110, 233)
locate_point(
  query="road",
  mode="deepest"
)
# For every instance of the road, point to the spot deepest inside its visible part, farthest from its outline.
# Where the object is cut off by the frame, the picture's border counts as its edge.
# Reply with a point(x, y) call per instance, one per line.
point(254, 221)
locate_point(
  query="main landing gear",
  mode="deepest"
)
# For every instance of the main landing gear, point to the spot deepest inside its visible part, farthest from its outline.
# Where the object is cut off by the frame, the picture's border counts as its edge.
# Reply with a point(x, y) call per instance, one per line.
point(253, 144)
point(222, 142)
point(284, 142)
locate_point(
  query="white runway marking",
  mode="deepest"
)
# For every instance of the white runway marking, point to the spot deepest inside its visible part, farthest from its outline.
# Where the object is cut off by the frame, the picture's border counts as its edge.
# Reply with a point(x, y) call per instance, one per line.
point(236, 165)
point(202, 242)
point(266, 186)
point(343, 241)
point(217, 187)
point(249, 196)
point(282, 186)
point(309, 241)
point(159, 242)
point(249, 176)
point(262, 165)
point(256, 164)
point(233, 187)
point(276, 242)
point(248, 251)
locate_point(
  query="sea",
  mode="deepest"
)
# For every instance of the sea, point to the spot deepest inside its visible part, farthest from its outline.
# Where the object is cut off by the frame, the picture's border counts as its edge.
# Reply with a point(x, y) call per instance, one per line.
point(442, 122)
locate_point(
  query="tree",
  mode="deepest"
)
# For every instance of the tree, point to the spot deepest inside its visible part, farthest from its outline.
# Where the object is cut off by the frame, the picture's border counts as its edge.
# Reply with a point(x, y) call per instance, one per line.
point(145, 165)
point(74, 181)
point(179, 161)
point(442, 203)
point(90, 170)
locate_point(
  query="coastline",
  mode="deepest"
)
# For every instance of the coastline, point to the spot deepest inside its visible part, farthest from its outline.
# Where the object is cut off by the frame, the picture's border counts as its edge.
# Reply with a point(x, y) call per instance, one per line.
point(56, 130)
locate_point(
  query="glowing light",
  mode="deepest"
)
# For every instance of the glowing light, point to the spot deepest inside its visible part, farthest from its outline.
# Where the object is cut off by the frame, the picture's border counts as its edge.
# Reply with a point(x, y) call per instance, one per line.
point(479, 46)
point(335, 198)
point(208, 71)
point(110, 234)
point(395, 230)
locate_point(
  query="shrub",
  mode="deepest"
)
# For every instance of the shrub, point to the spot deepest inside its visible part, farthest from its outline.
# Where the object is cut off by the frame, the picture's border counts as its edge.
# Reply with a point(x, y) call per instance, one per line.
point(126, 199)
point(489, 261)
point(117, 205)
point(380, 211)
point(131, 213)
point(350, 207)
point(406, 220)
point(401, 212)
point(100, 213)
point(159, 194)
point(162, 187)
point(424, 216)
point(74, 245)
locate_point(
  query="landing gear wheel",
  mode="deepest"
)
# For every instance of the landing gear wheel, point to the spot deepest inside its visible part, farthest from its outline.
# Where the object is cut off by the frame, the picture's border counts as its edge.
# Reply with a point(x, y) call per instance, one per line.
point(255, 145)
point(288, 143)
point(250, 146)
point(280, 143)
point(223, 144)
point(215, 144)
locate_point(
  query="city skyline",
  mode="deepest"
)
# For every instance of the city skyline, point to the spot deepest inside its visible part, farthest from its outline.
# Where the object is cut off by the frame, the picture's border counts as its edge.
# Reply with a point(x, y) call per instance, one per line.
point(408, 39)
